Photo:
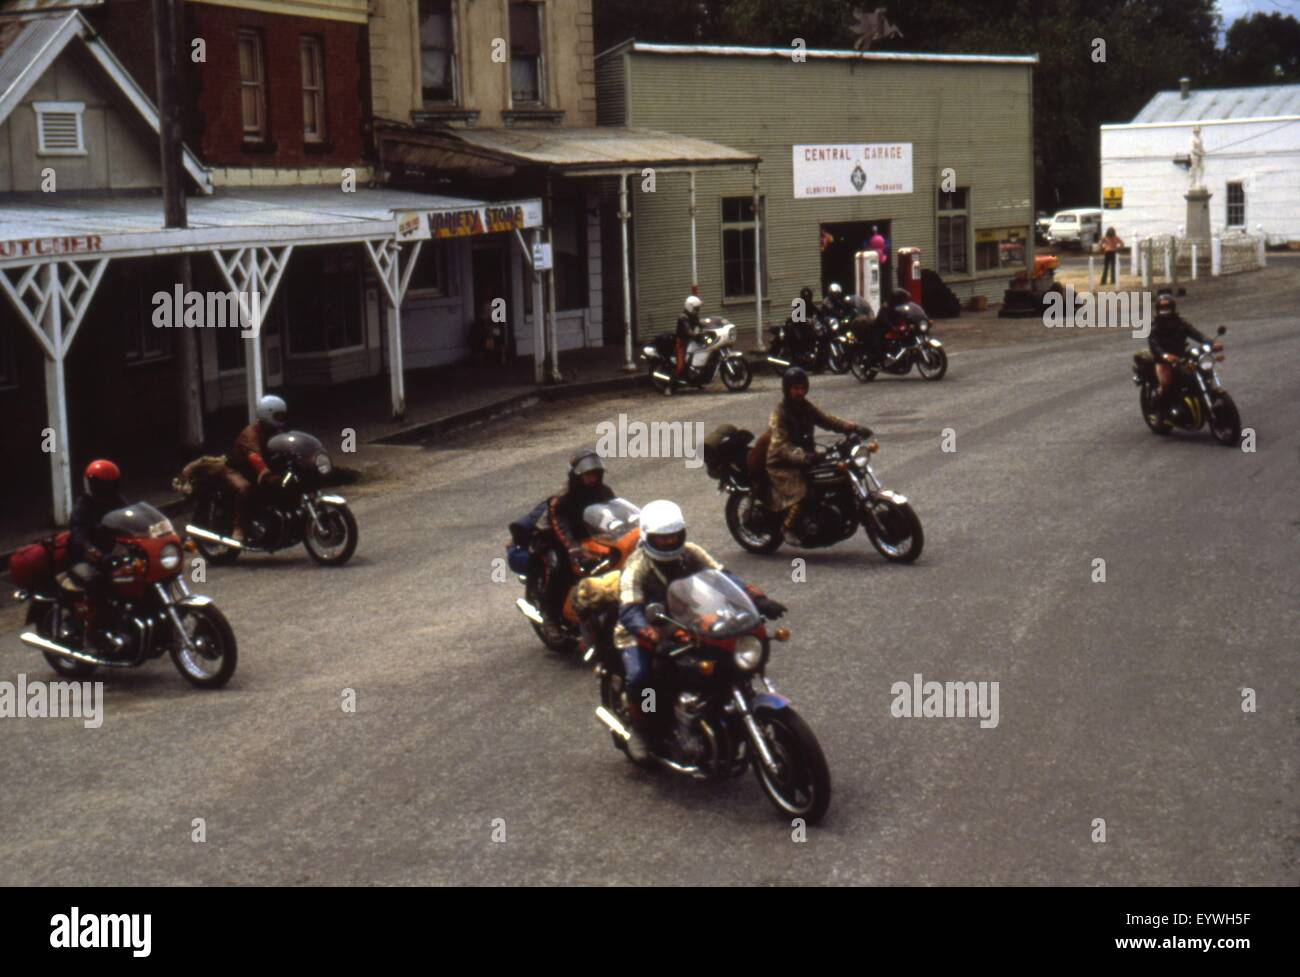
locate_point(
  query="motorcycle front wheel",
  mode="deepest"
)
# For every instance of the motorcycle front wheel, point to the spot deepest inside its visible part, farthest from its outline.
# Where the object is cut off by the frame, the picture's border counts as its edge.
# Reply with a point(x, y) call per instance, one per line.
point(838, 359)
point(736, 374)
point(660, 385)
point(611, 697)
point(932, 362)
point(801, 784)
point(741, 512)
point(894, 530)
point(333, 542)
point(211, 661)
point(1225, 421)
point(862, 369)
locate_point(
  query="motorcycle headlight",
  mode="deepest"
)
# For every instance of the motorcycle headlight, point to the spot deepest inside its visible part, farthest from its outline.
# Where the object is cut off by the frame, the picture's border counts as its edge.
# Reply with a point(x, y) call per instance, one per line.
point(850, 338)
point(1206, 363)
point(923, 325)
point(749, 653)
point(648, 350)
point(322, 462)
point(859, 455)
point(170, 557)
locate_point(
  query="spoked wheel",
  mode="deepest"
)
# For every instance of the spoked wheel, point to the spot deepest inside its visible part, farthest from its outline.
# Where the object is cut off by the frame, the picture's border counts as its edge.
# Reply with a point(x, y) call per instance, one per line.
point(894, 530)
point(333, 542)
point(1225, 422)
point(838, 359)
point(47, 618)
point(749, 524)
point(861, 369)
point(1151, 412)
point(216, 513)
point(736, 374)
point(801, 785)
point(932, 363)
point(209, 659)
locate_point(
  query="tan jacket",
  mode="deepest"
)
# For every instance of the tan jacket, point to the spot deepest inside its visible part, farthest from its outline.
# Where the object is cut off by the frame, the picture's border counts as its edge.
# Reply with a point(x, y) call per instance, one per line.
point(786, 455)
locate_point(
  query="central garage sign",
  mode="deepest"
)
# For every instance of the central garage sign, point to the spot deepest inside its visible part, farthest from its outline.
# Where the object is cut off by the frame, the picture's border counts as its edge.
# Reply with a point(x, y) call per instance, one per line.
point(852, 169)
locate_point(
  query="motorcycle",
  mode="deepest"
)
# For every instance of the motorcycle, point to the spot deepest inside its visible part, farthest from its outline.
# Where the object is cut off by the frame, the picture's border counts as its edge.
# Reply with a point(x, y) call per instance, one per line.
point(293, 508)
point(1204, 399)
point(150, 608)
point(614, 530)
point(908, 342)
point(726, 715)
point(844, 490)
point(713, 356)
point(827, 348)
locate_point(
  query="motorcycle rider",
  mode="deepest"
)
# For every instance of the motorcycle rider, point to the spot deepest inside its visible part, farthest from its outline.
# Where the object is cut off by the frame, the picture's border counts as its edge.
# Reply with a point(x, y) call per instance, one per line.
point(565, 531)
point(662, 556)
point(1168, 342)
point(792, 448)
point(876, 329)
point(836, 303)
point(689, 330)
point(89, 542)
point(247, 458)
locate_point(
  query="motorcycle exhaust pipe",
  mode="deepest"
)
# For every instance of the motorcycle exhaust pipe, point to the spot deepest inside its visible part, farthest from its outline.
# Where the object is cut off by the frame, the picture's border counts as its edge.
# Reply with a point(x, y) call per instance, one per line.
point(662, 377)
point(214, 538)
point(529, 611)
point(610, 720)
point(36, 641)
point(777, 361)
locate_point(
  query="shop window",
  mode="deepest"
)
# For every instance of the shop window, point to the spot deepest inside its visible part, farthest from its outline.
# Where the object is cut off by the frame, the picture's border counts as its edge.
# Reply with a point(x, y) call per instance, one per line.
point(323, 290)
point(569, 237)
point(1236, 205)
point(252, 85)
point(526, 54)
point(954, 224)
point(430, 272)
point(999, 248)
point(313, 89)
point(133, 300)
point(437, 52)
point(738, 247)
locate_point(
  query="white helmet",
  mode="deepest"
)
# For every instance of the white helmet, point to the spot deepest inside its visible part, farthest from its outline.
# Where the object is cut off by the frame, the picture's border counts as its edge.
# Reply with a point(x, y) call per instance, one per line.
point(693, 303)
point(271, 410)
point(663, 530)
point(835, 290)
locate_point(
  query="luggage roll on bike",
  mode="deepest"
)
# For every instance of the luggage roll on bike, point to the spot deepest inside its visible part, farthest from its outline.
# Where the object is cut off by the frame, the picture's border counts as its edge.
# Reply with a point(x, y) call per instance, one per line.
point(292, 508)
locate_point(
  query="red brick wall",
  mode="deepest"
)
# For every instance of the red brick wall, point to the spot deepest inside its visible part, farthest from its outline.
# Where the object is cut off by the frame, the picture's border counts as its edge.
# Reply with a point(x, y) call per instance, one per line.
point(213, 117)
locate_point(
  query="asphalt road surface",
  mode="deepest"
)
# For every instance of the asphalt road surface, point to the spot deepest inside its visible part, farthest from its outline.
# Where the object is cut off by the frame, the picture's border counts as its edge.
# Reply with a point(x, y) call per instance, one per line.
point(1120, 701)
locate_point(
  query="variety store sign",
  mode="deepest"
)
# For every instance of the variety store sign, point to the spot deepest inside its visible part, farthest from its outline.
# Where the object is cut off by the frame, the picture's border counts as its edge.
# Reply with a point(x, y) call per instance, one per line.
point(852, 169)
point(469, 221)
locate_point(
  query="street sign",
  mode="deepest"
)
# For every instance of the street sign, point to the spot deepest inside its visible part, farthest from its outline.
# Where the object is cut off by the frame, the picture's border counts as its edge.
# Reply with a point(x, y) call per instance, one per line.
point(1112, 198)
point(541, 256)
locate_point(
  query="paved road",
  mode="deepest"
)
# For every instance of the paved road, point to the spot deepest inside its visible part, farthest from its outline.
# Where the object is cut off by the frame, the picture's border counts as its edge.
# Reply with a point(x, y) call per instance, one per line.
point(1118, 700)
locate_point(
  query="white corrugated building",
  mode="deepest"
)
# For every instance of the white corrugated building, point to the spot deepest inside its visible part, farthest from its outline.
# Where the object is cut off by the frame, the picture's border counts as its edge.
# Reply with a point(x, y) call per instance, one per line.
point(1252, 161)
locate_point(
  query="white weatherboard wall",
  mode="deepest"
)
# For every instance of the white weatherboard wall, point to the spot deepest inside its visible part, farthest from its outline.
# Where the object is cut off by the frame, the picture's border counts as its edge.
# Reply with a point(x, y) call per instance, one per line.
point(1264, 156)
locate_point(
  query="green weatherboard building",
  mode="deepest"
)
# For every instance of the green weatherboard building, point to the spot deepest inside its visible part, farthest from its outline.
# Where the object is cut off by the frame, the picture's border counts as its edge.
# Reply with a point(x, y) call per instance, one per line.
point(848, 141)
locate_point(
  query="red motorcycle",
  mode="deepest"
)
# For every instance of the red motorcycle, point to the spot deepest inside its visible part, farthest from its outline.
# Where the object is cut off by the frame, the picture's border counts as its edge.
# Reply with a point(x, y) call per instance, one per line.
point(908, 343)
point(150, 608)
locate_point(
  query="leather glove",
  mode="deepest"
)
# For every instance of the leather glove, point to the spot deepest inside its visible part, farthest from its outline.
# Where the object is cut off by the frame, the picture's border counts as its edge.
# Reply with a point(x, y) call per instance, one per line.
point(1216, 346)
point(860, 429)
point(769, 608)
point(649, 635)
point(680, 637)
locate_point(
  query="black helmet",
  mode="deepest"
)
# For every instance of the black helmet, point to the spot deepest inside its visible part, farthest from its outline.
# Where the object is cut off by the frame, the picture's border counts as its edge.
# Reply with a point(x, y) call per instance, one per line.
point(806, 294)
point(900, 296)
point(1165, 305)
point(585, 460)
point(793, 377)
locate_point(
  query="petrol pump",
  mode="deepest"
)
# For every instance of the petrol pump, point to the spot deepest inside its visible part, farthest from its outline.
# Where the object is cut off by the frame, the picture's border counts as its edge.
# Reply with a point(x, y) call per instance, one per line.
point(909, 272)
point(866, 278)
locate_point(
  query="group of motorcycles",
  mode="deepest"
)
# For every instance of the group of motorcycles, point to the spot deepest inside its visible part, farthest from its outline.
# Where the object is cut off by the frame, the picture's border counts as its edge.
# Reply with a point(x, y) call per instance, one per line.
point(151, 610)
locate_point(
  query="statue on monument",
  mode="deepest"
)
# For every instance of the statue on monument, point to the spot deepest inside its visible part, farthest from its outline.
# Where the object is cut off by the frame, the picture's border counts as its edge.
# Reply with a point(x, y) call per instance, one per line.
point(1196, 169)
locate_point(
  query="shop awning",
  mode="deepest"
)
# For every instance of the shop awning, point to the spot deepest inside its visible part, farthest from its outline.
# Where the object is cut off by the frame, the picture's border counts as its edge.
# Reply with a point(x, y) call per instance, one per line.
point(589, 151)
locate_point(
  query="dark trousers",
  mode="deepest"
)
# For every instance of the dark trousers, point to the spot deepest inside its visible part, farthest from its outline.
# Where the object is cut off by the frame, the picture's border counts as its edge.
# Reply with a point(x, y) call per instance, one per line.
point(1108, 267)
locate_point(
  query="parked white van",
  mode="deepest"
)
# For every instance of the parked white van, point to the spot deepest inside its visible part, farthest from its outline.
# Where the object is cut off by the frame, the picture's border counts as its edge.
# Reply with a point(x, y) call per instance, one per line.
point(1081, 227)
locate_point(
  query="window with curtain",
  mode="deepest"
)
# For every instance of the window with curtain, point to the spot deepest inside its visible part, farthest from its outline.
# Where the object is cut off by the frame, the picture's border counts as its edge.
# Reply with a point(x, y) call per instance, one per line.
point(738, 227)
point(313, 89)
point(252, 84)
point(952, 233)
point(437, 52)
point(526, 54)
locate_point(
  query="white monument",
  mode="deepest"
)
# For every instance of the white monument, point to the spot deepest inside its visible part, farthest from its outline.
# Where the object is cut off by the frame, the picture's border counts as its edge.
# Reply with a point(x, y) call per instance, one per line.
point(1197, 197)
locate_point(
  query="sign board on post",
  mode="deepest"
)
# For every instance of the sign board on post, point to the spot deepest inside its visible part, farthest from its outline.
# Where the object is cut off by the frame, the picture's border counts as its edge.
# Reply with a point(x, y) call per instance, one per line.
point(541, 256)
point(852, 169)
point(469, 221)
point(1112, 198)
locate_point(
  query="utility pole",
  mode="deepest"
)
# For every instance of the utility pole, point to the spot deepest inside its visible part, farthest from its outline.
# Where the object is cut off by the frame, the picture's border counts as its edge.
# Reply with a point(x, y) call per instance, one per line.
point(173, 182)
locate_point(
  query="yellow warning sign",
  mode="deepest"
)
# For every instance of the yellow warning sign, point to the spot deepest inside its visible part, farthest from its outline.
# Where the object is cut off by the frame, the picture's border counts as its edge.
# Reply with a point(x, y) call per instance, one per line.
point(1112, 198)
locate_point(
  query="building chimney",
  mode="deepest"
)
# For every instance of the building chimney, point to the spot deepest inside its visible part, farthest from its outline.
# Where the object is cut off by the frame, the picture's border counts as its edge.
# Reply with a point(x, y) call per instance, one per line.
point(1184, 88)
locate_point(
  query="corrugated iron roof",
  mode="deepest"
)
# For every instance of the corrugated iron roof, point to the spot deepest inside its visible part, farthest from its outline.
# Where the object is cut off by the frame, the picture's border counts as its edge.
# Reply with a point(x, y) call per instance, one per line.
point(47, 6)
point(592, 148)
point(819, 53)
point(22, 44)
point(1221, 104)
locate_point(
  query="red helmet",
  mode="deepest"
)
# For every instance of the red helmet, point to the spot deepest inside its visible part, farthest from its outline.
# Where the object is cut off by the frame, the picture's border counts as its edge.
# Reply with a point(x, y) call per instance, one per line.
point(102, 479)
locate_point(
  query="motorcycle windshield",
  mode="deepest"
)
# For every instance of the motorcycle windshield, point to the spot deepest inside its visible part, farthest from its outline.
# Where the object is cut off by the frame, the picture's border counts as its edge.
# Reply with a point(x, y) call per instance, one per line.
point(301, 448)
point(140, 520)
point(711, 603)
point(610, 521)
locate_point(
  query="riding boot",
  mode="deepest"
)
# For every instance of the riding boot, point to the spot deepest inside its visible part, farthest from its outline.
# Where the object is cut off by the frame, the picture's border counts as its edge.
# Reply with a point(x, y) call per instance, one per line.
point(789, 528)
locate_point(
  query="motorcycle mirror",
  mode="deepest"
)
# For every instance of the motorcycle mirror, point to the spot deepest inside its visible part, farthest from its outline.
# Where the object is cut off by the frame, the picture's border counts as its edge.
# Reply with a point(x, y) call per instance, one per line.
point(654, 612)
point(1221, 330)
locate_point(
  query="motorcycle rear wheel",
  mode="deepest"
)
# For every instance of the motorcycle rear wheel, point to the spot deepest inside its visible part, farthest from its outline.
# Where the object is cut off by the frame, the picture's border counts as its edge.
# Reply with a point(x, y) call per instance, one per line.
point(894, 530)
point(611, 697)
point(1225, 421)
point(44, 617)
point(655, 382)
point(740, 507)
point(216, 513)
point(802, 786)
point(1147, 403)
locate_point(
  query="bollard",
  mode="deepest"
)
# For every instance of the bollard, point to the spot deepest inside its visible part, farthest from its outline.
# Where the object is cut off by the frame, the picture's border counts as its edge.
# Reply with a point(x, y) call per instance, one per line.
point(1193, 261)
point(1216, 256)
point(1133, 256)
point(1146, 264)
point(1263, 242)
point(1092, 271)
point(1169, 254)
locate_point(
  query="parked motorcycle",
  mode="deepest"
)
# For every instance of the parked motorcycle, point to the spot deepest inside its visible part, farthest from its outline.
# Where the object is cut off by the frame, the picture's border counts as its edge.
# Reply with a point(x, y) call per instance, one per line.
point(726, 714)
point(844, 491)
point(714, 356)
point(614, 529)
point(1204, 400)
point(822, 343)
point(293, 508)
point(909, 342)
point(150, 608)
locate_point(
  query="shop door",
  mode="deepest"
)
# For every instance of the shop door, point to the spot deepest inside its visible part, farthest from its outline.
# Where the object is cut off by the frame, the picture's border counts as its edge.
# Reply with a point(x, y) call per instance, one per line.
point(840, 242)
point(491, 281)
